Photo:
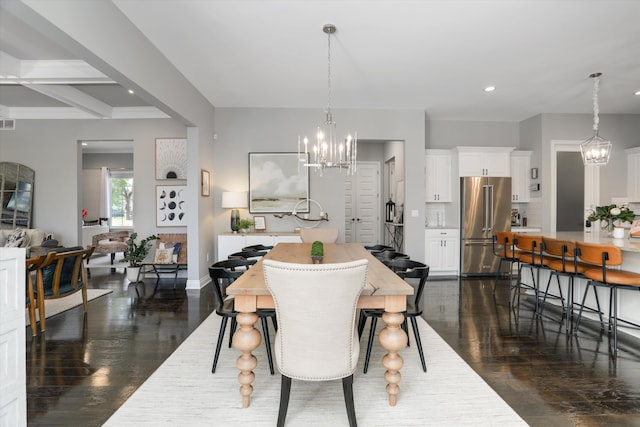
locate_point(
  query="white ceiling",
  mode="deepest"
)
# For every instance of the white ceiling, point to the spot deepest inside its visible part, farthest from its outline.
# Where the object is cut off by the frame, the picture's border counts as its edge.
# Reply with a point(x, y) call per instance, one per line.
point(435, 56)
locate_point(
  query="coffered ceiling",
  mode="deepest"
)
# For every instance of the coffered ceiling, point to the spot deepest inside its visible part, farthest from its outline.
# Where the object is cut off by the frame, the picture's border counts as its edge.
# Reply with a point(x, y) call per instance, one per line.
point(435, 56)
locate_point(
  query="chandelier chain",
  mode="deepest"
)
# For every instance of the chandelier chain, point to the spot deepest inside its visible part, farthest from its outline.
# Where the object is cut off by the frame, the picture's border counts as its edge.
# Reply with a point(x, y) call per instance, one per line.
point(596, 108)
point(329, 77)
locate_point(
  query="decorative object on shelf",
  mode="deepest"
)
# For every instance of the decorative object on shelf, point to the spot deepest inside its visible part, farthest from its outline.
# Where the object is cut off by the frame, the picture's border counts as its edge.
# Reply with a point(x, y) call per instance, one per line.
point(234, 200)
point(610, 214)
point(322, 215)
point(595, 150)
point(276, 184)
point(137, 252)
point(244, 224)
point(171, 158)
point(618, 232)
point(327, 152)
point(205, 183)
point(317, 252)
point(171, 205)
point(259, 223)
point(390, 210)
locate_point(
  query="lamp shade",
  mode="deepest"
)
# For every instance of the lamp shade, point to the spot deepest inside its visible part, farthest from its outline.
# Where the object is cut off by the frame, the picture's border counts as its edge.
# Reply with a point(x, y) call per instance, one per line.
point(234, 199)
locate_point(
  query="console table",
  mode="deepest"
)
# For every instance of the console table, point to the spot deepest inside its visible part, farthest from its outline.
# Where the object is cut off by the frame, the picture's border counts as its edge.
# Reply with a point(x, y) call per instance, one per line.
point(229, 243)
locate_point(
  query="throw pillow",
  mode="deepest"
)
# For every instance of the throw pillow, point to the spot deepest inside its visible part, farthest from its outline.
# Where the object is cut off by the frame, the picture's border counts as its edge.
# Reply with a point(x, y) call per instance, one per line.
point(163, 256)
point(17, 239)
point(174, 246)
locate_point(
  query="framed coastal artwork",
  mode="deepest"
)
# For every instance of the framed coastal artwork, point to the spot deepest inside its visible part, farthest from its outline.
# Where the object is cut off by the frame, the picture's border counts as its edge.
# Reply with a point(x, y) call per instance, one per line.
point(277, 183)
point(171, 158)
point(171, 207)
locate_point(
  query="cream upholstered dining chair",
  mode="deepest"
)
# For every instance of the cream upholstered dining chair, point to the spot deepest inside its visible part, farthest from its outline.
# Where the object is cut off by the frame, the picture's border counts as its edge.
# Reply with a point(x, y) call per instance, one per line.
point(324, 235)
point(317, 339)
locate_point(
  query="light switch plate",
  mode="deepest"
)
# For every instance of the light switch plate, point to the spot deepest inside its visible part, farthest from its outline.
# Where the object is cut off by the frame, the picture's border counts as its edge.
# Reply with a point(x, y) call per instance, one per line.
point(535, 187)
point(414, 213)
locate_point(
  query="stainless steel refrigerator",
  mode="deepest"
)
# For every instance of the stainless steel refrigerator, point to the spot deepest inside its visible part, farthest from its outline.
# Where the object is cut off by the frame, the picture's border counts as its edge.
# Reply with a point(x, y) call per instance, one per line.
point(485, 206)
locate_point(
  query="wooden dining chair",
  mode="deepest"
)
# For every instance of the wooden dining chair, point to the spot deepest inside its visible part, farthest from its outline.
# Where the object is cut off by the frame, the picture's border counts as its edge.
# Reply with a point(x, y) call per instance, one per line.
point(324, 235)
point(62, 273)
point(316, 309)
point(31, 265)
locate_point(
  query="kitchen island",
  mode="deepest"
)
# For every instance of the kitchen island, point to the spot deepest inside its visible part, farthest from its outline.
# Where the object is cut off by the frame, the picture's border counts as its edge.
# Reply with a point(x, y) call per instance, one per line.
point(628, 300)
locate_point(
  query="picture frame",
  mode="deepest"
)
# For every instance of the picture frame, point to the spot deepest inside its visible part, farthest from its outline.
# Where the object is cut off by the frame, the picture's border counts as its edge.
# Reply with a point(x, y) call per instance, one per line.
point(278, 183)
point(171, 205)
point(534, 173)
point(171, 158)
point(205, 183)
point(259, 223)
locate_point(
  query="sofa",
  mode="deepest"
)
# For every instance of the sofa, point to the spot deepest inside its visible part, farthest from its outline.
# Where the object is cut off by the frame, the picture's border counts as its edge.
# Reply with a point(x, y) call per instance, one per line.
point(30, 237)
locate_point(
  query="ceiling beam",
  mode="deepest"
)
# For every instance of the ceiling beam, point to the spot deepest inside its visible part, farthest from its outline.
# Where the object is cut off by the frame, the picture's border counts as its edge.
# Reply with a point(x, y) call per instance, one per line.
point(75, 98)
point(67, 71)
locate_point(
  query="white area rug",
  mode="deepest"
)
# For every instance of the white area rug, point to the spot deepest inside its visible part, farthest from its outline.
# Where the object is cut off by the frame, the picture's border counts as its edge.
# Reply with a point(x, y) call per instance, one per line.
point(57, 306)
point(183, 391)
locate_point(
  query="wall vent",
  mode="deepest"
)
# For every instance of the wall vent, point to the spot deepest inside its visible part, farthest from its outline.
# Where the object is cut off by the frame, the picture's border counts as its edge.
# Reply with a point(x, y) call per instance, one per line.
point(7, 124)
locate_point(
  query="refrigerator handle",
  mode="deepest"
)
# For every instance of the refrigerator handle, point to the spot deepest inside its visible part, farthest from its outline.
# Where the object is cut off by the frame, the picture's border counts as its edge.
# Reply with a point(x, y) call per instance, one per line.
point(491, 219)
point(488, 208)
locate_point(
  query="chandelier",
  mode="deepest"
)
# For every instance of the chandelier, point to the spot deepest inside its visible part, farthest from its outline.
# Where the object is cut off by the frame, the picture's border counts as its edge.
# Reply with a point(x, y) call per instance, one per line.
point(595, 150)
point(327, 151)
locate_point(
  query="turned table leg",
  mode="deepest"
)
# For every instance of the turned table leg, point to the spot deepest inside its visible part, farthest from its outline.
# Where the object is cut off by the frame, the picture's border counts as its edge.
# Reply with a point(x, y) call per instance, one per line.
point(246, 339)
point(393, 338)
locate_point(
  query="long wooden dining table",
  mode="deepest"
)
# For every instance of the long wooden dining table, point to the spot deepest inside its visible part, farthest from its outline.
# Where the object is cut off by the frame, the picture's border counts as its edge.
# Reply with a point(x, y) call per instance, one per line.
point(383, 290)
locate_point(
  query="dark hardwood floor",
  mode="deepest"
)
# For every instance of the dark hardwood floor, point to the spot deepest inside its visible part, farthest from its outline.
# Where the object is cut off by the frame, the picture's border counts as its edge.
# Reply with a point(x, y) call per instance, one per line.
point(84, 367)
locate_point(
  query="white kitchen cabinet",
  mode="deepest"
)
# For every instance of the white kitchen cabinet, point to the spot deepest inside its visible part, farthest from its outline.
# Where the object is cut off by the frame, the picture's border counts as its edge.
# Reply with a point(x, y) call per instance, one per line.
point(484, 161)
point(442, 251)
point(633, 174)
point(229, 243)
point(520, 167)
point(438, 176)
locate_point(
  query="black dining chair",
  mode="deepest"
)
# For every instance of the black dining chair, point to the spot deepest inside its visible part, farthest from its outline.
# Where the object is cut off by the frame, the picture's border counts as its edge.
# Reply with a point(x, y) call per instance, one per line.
point(247, 254)
point(259, 247)
point(378, 248)
point(407, 269)
point(223, 273)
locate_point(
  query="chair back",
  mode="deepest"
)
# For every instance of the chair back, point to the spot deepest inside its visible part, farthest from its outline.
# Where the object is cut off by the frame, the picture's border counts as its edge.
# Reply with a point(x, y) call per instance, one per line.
point(247, 254)
point(223, 273)
point(324, 235)
point(63, 271)
point(378, 248)
point(258, 247)
point(601, 255)
point(317, 338)
point(113, 241)
point(409, 269)
point(389, 255)
point(504, 244)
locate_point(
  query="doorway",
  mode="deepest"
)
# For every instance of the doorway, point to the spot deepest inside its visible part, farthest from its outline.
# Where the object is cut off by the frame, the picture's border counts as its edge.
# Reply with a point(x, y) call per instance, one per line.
point(570, 195)
point(362, 204)
point(590, 180)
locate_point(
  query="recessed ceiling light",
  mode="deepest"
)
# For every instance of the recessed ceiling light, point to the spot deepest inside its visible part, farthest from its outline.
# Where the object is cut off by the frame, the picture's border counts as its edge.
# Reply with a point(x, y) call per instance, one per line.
point(84, 144)
point(637, 92)
point(489, 88)
point(131, 91)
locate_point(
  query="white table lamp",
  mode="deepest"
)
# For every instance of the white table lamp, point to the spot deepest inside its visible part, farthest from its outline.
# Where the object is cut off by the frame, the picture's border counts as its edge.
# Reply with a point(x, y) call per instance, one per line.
point(234, 200)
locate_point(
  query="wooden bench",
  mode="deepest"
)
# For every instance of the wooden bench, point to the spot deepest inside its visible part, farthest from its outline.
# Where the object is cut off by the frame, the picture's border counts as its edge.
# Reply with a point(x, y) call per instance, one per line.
point(174, 267)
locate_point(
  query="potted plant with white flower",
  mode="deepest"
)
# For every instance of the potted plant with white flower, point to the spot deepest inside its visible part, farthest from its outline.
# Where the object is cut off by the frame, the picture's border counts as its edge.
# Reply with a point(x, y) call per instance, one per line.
point(611, 217)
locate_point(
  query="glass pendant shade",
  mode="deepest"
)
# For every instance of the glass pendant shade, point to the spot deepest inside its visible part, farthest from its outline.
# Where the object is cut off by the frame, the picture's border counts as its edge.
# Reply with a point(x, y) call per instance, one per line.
point(595, 150)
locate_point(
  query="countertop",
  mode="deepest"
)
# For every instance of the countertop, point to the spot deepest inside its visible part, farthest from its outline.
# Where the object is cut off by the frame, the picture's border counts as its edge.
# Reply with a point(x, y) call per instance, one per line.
point(626, 244)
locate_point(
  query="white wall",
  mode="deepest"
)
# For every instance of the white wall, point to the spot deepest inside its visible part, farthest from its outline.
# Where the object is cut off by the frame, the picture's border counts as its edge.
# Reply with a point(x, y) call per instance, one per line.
point(51, 148)
point(243, 130)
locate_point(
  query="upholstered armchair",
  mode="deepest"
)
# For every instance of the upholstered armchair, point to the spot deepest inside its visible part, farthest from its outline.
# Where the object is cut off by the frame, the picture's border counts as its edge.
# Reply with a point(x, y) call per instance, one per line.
point(316, 310)
point(110, 243)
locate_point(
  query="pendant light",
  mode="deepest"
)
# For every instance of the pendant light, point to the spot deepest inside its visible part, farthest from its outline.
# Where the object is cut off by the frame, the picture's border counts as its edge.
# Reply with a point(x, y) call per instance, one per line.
point(595, 150)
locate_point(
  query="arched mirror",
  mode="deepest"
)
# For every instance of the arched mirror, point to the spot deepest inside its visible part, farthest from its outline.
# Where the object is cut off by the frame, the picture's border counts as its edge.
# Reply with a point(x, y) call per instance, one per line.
point(16, 195)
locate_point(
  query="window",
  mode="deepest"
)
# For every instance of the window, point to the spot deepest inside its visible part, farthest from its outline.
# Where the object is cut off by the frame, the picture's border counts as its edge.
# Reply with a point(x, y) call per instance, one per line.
point(121, 212)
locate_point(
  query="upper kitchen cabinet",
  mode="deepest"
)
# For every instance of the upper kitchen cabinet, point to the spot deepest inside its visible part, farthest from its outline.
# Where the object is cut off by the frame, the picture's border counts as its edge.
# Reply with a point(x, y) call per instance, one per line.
point(438, 175)
point(520, 167)
point(484, 161)
point(633, 174)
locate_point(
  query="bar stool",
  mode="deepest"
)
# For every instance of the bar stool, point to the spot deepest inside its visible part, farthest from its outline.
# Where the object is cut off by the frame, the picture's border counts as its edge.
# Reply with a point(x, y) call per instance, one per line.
point(529, 256)
point(561, 261)
point(606, 256)
point(504, 248)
